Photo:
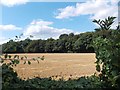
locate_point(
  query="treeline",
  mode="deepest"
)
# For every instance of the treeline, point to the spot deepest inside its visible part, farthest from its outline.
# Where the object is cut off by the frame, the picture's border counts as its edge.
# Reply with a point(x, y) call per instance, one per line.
point(67, 43)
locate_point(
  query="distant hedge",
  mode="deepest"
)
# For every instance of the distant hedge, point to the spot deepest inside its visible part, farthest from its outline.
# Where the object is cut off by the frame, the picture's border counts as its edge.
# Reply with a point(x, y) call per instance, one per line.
point(67, 43)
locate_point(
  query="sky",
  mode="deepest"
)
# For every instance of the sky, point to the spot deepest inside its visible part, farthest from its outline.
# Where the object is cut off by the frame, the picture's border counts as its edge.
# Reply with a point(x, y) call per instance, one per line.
point(52, 18)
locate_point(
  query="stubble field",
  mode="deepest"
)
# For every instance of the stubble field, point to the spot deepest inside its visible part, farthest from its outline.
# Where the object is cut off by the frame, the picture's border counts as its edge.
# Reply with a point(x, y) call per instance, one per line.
point(57, 65)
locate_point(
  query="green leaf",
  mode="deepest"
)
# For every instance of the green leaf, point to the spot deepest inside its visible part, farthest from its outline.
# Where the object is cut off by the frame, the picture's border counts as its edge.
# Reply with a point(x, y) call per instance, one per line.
point(29, 62)
point(10, 56)
point(16, 56)
point(17, 61)
point(2, 61)
point(5, 56)
point(95, 21)
point(22, 58)
point(38, 61)
point(33, 59)
point(16, 36)
point(24, 62)
point(25, 57)
point(31, 36)
point(114, 73)
point(42, 58)
point(98, 68)
point(13, 61)
point(116, 80)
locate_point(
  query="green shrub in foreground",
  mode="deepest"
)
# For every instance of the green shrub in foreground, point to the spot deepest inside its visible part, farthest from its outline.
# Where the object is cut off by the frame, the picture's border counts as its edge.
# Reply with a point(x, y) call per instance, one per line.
point(107, 51)
point(11, 80)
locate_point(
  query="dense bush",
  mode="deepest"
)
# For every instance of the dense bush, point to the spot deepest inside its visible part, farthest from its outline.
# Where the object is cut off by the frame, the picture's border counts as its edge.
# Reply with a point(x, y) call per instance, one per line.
point(10, 80)
point(107, 51)
point(9, 77)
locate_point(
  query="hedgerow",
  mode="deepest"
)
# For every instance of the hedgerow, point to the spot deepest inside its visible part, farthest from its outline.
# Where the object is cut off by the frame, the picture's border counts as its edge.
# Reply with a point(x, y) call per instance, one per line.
point(107, 49)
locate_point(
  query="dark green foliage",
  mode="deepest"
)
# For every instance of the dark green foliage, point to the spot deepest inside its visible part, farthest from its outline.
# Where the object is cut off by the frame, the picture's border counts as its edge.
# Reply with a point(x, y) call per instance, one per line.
point(47, 83)
point(49, 45)
point(9, 77)
point(66, 43)
point(63, 36)
point(83, 43)
point(12, 81)
point(104, 24)
point(107, 51)
point(12, 46)
point(29, 62)
point(42, 58)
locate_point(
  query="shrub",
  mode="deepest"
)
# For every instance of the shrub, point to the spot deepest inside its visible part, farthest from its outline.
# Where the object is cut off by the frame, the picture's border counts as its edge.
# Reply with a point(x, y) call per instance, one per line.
point(107, 51)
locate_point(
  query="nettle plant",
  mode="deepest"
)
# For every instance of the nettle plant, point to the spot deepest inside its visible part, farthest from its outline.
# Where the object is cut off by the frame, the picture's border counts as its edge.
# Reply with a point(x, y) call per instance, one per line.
point(107, 51)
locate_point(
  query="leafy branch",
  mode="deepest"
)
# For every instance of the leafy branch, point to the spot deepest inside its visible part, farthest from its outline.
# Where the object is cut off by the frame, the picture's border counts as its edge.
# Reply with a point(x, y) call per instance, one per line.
point(104, 24)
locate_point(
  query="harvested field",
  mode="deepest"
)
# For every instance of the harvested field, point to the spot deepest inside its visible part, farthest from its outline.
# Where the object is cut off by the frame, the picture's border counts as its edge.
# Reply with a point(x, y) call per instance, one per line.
point(66, 65)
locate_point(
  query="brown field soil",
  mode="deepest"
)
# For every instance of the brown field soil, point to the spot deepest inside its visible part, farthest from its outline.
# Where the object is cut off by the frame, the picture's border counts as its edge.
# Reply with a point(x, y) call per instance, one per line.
point(57, 65)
